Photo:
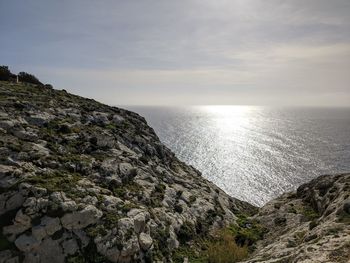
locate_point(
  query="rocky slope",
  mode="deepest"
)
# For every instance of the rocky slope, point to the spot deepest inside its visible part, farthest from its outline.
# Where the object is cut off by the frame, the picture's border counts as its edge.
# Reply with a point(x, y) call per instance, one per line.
point(311, 224)
point(85, 182)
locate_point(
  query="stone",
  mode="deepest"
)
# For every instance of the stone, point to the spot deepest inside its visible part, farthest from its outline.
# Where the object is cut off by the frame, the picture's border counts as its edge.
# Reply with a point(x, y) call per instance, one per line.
point(15, 201)
point(127, 171)
point(26, 243)
point(172, 241)
point(113, 254)
point(105, 141)
point(124, 224)
point(145, 241)
point(130, 247)
point(39, 150)
point(80, 219)
point(6, 170)
point(39, 232)
point(100, 117)
point(91, 200)
point(39, 119)
point(50, 251)
point(84, 239)
point(7, 124)
point(117, 119)
point(51, 225)
point(139, 222)
point(70, 247)
point(26, 135)
point(22, 222)
point(65, 203)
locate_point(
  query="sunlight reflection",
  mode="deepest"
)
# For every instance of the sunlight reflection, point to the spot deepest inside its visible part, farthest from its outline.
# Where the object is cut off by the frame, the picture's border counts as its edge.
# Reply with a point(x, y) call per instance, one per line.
point(230, 118)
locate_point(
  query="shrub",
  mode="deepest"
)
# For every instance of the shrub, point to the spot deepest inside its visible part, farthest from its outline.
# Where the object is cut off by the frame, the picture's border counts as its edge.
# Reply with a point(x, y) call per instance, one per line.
point(5, 73)
point(247, 232)
point(186, 232)
point(29, 78)
point(157, 195)
point(225, 249)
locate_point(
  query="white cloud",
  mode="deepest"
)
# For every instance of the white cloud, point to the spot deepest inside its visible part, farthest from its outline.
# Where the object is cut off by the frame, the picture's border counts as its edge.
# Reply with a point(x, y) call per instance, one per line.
point(198, 51)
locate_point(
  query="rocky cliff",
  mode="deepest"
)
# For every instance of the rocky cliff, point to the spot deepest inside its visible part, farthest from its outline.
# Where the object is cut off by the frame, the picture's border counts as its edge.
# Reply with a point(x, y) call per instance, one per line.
point(311, 224)
point(86, 182)
point(81, 181)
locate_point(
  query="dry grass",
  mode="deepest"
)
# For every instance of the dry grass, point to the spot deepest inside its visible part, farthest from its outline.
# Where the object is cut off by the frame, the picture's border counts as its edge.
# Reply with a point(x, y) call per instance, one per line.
point(225, 249)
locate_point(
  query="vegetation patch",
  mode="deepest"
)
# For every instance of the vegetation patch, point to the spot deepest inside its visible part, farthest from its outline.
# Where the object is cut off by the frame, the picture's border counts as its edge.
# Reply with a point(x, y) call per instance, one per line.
point(160, 238)
point(157, 195)
point(247, 231)
point(343, 217)
point(186, 232)
point(228, 245)
point(225, 249)
point(57, 181)
point(309, 213)
point(221, 247)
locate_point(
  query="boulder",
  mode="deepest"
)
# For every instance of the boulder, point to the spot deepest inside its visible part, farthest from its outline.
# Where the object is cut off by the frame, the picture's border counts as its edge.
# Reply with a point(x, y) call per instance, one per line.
point(7, 124)
point(49, 251)
point(70, 247)
point(80, 219)
point(48, 226)
point(15, 201)
point(145, 241)
point(127, 171)
point(130, 247)
point(39, 119)
point(21, 223)
point(100, 117)
point(117, 119)
point(26, 243)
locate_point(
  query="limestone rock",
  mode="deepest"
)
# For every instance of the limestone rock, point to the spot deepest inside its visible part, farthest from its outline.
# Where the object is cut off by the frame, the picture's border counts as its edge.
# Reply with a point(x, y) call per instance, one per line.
point(21, 223)
point(70, 247)
point(145, 241)
point(26, 243)
point(80, 219)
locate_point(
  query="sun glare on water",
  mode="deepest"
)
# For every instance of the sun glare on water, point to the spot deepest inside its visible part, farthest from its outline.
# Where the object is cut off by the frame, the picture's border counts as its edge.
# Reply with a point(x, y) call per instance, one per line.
point(230, 118)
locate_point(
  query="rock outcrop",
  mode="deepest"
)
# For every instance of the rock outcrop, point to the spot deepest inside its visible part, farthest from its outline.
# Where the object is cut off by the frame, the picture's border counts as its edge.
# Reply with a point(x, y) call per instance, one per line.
point(311, 224)
point(86, 182)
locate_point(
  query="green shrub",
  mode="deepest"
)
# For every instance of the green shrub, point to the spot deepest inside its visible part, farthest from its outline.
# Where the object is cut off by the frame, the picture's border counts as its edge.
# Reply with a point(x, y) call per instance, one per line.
point(247, 232)
point(5, 73)
point(186, 232)
point(157, 195)
point(225, 249)
point(29, 78)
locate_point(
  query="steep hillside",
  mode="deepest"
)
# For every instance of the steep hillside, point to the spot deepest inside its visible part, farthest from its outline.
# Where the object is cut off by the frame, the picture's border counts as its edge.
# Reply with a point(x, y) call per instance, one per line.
point(85, 182)
point(311, 224)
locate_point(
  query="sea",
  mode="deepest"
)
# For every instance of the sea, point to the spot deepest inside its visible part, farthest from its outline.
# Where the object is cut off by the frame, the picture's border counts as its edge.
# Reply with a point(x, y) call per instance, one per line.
point(255, 153)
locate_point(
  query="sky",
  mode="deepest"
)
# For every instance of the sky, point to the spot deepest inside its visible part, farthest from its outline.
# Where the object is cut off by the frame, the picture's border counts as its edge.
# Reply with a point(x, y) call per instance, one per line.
point(194, 52)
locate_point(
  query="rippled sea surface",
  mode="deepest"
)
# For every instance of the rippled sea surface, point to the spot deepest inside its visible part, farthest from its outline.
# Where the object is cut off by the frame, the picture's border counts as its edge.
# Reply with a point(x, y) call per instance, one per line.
point(255, 153)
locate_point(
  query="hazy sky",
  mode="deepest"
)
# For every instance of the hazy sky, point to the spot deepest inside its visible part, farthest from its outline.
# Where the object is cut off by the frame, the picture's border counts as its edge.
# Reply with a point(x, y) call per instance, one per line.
point(128, 52)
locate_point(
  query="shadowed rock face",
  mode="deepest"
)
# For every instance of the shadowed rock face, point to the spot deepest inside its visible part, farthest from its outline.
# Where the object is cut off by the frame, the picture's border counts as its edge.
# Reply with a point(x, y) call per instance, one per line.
point(79, 179)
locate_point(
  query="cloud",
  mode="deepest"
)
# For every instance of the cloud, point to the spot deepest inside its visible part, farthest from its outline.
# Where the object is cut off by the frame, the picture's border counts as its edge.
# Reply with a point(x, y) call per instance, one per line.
point(198, 51)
